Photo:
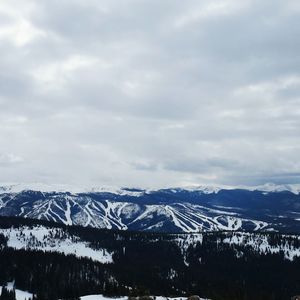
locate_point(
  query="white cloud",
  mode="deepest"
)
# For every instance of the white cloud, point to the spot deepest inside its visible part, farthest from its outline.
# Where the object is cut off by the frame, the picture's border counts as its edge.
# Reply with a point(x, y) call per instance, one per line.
point(18, 27)
point(55, 75)
point(149, 92)
point(204, 10)
point(21, 33)
point(9, 158)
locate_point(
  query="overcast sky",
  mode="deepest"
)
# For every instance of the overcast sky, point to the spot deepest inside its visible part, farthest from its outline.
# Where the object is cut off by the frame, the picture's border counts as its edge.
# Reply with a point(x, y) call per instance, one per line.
point(150, 92)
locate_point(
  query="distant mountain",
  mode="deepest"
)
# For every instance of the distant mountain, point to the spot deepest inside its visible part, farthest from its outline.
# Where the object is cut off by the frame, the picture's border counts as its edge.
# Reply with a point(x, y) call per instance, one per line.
point(265, 208)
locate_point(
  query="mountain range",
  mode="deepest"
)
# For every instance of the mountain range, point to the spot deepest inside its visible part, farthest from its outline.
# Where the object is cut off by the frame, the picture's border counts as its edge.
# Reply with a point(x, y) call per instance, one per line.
point(193, 209)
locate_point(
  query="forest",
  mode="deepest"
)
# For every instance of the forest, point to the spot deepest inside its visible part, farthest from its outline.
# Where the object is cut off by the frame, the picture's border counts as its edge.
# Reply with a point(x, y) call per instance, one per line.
point(151, 264)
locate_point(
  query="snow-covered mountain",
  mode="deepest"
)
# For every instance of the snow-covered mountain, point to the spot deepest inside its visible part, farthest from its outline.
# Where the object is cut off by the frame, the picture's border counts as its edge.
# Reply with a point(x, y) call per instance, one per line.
point(208, 189)
point(202, 208)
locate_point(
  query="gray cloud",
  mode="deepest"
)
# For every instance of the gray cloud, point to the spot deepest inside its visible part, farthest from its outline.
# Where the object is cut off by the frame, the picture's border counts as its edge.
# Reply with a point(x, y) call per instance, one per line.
point(149, 93)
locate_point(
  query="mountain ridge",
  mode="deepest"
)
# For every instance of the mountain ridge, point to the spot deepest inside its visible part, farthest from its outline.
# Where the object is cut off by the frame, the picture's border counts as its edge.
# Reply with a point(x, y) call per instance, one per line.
point(42, 187)
point(164, 210)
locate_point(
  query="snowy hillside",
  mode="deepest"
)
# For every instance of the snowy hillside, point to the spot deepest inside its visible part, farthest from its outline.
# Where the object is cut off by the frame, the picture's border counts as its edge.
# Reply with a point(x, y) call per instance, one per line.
point(53, 240)
point(48, 239)
point(261, 245)
point(168, 210)
point(102, 259)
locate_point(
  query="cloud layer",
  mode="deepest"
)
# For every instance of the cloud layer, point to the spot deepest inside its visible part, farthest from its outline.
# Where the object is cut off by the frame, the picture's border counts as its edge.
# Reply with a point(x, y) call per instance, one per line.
point(150, 93)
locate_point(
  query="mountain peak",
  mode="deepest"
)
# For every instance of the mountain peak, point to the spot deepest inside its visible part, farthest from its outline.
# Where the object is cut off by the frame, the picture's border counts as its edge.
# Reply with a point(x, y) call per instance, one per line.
point(137, 191)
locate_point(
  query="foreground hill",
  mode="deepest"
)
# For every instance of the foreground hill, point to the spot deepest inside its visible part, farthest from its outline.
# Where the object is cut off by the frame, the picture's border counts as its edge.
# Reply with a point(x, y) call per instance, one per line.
point(167, 210)
point(59, 261)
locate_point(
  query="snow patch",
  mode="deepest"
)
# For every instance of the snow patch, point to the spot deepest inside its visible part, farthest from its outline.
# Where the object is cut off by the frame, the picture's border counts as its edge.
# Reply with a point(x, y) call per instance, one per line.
point(20, 295)
point(53, 240)
point(260, 244)
point(101, 297)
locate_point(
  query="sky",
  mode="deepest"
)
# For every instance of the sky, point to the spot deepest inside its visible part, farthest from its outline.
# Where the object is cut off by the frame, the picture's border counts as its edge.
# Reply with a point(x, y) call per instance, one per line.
point(150, 92)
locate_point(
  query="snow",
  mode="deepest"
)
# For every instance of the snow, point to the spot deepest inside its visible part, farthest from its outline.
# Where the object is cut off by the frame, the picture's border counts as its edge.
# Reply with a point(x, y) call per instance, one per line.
point(271, 187)
point(46, 188)
point(20, 295)
point(74, 209)
point(177, 221)
point(111, 214)
point(23, 295)
point(205, 189)
point(53, 240)
point(260, 244)
point(136, 192)
point(68, 213)
point(101, 297)
point(184, 241)
point(41, 187)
